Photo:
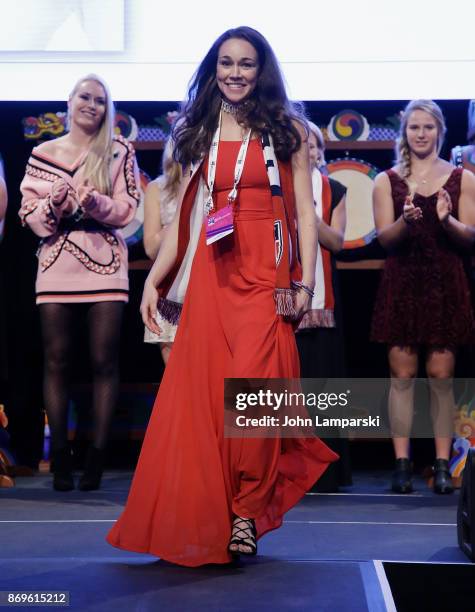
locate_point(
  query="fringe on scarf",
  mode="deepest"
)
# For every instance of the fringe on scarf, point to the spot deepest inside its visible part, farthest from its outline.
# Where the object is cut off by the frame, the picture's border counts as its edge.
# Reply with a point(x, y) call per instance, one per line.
point(284, 301)
point(323, 317)
point(169, 310)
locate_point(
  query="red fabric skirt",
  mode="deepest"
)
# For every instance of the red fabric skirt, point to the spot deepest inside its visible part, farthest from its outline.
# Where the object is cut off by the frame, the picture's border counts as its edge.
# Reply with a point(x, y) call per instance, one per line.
point(191, 479)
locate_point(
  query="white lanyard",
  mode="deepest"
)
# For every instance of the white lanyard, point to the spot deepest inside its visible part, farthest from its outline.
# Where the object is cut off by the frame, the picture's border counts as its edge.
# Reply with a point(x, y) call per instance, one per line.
point(213, 157)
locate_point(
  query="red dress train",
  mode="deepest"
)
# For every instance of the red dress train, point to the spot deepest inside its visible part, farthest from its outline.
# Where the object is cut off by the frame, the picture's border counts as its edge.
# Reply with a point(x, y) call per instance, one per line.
point(190, 480)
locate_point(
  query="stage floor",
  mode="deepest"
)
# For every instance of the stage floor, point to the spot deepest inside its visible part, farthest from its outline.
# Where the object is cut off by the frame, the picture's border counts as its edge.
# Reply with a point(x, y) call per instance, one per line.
point(327, 556)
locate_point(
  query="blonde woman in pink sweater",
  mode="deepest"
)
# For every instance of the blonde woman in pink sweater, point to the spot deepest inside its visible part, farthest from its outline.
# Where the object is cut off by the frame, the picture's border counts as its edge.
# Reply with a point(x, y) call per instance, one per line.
point(78, 191)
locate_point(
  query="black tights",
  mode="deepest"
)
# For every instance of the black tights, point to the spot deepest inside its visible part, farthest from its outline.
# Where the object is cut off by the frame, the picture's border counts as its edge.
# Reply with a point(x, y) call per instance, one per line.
point(58, 323)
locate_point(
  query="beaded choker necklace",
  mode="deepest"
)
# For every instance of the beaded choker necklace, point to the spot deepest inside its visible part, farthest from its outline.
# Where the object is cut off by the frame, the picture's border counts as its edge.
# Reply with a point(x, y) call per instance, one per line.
point(233, 109)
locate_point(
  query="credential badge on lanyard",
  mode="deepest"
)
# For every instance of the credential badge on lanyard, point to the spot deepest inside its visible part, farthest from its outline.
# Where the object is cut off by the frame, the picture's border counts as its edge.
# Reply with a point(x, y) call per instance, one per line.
point(220, 224)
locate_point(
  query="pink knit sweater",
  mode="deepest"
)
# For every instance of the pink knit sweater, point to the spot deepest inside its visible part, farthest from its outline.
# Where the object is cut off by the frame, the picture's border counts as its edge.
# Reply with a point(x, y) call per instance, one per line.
point(83, 256)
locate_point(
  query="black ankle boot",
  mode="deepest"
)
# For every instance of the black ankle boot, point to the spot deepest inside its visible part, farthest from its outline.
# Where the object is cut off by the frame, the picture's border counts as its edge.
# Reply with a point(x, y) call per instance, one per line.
point(442, 478)
point(62, 467)
point(402, 477)
point(93, 468)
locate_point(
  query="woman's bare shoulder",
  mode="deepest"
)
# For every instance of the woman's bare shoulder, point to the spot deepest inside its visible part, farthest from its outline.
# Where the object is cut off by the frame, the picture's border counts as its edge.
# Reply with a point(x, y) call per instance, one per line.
point(382, 179)
point(155, 184)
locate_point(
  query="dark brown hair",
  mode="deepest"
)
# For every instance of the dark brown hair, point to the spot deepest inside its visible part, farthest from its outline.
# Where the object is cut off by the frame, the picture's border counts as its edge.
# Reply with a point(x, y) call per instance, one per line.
point(267, 110)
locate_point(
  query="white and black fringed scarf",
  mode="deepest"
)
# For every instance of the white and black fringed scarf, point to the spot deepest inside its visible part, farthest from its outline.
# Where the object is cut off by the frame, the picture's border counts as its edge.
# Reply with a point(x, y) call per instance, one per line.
point(192, 215)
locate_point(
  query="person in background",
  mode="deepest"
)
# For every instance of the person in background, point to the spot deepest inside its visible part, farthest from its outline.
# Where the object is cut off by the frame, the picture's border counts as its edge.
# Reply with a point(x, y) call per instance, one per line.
point(159, 210)
point(3, 360)
point(78, 191)
point(320, 336)
point(3, 198)
point(465, 156)
point(424, 212)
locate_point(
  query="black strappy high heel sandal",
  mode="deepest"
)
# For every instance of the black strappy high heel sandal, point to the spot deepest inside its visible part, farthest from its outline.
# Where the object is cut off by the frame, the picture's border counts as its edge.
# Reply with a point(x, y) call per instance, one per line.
point(242, 527)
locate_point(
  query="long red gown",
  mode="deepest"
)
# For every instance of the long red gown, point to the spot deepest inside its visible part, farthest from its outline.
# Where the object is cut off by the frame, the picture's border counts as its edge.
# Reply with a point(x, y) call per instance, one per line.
point(190, 480)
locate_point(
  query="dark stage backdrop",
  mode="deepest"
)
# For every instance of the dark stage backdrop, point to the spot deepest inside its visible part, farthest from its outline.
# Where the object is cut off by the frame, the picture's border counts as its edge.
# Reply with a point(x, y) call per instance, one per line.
point(21, 354)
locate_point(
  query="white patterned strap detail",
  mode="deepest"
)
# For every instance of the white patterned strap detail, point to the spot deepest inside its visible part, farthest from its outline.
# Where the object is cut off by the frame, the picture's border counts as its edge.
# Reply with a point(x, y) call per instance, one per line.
point(212, 163)
point(318, 300)
point(272, 166)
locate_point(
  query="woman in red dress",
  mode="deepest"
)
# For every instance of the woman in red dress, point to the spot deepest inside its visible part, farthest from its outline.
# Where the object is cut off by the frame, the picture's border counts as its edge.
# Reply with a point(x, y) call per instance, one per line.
point(198, 496)
point(425, 212)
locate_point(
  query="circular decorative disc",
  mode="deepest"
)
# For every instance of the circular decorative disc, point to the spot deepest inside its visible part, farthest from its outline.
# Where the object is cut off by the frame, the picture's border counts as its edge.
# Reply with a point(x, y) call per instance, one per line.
point(348, 125)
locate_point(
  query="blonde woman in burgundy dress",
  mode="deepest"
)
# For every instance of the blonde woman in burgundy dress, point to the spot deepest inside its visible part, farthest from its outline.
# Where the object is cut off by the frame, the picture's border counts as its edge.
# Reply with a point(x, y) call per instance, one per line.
point(425, 216)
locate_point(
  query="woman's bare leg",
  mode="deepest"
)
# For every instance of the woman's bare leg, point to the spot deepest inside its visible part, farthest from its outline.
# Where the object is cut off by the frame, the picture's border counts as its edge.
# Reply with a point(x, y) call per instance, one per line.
point(165, 348)
point(440, 366)
point(403, 363)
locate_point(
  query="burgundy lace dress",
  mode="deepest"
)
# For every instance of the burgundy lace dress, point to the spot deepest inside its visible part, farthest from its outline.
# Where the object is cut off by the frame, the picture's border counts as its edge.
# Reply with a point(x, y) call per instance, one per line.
point(424, 296)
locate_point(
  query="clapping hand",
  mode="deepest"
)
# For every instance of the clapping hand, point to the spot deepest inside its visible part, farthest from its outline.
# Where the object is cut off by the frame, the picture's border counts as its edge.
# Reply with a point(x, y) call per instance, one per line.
point(410, 212)
point(59, 191)
point(85, 194)
point(444, 205)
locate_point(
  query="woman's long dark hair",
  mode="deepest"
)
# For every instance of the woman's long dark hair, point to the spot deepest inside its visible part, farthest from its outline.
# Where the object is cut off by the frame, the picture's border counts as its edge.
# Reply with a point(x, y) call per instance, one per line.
point(268, 108)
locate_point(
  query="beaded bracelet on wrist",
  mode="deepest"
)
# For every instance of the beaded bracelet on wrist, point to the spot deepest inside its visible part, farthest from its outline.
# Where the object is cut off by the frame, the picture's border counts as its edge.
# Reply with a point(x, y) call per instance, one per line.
point(299, 285)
